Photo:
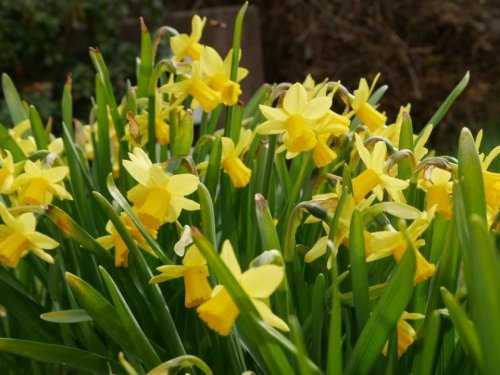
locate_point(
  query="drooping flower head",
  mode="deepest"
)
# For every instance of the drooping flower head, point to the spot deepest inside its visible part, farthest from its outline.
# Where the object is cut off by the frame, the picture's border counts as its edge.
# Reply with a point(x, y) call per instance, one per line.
point(18, 236)
point(231, 158)
point(438, 184)
point(194, 270)
point(38, 185)
point(6, 172)
point(406, 333)
point(368, 115)
point(159, 197)
point(183, 45)
point(220, 312)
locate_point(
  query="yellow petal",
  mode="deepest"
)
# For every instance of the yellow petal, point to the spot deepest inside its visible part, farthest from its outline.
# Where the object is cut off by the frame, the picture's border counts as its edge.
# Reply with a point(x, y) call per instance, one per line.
point(261, 282)
point(193, 257)
point(318, 250)
point(273, 114)
point(41, 240)
point(317, 108)
point(271, 127)
point(295, 99)
point(183, 184)
point(167, 273)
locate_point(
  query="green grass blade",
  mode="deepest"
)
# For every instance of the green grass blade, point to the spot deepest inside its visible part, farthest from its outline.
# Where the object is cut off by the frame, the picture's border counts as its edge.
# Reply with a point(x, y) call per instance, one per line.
point(146, 63)
point(71, 357)
point(140, 342)
point(67, 105)
point(445, 106)
point(10, 144)
point(317, 316)
point(425, 360)
point(267, 229)
point(38, 129)
point(299, 343)
point(15, 106)
point(359, 272)
point(465, 329)
point(103, 152)
point(176, 364)
point(384, 318)
point(207, 214)
point(334, 357)
point(213, 170)
point(405, 143)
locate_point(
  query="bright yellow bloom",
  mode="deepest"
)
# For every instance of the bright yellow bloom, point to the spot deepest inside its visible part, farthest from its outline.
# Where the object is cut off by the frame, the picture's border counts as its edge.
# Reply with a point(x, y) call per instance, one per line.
point(162, 129)
point(218, 72)
point(38, 185)
point(20, 134)
point(158, 197)
point(297, 119)
point(183, 45)
point(373, 178)
point(220, 312)
point(113, 239)
point(196, 85)
point(231, 161)
point(18, 236)
point(364, 110)
point(6, 172)
point(194, 270)
point(385, 243)
point(437, 184)
point(406, 333)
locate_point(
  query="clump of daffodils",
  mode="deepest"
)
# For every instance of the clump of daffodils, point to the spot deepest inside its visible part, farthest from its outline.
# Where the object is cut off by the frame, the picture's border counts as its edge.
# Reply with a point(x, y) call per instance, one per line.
point(177, 236)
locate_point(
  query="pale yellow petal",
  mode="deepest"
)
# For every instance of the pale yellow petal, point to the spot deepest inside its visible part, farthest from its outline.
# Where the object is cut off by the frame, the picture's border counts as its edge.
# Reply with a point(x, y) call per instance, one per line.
point(167, 273)
point(261, 282)
point(364, 154)
point(317, 108)
point(269, 317)
point(271, 127)
point(273, 114)
point(211, 62)
point(41, 240)
point(318, 250)
point(378, 156)
point(183, 184)
point(56, 174)
point(28, 221)
point(295, 99)
point(43, 255)
point(193, 257)
point(229, 258)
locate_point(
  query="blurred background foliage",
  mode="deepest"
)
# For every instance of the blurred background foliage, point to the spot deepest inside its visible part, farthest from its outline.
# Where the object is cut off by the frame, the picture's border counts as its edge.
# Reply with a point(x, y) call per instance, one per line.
point(421, 48)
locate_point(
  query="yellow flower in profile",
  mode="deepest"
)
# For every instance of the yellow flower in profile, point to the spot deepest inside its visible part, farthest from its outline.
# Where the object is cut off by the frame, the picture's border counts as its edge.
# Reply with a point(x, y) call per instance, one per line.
point(38, 185)
point(363, 109)
point(297, 119)
point(6, 172)
point(194, 270)
point(385, 243)
point(162, 129)
point(18, 236)
point(374, 178)
point(491, 180)
point(158, 198)
point(231, 158)
point(218, 72)
point(20, 134)
point(113, 239)
point(183, 45)
point(406, 333)
point(437, 184)
point(196, 85)
point(220, 312)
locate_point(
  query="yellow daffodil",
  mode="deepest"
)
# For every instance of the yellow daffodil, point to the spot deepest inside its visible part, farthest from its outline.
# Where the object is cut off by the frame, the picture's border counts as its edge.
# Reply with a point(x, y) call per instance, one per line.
point(194, 270)
point(491, 180)
point(183, 45)
point(218, 72)
point(406, 333)
point(297, 119)
point(438, 185)
point(113, 239)
point(20, 134)
point(158, 198)
point(18, 236)
point(196, 85)
point(38, 185)
point(231, 158)
point(363, 109)
point(220, 312)
point(6, 172)
point(373, 178)
point(162, 129)
point(385, 243)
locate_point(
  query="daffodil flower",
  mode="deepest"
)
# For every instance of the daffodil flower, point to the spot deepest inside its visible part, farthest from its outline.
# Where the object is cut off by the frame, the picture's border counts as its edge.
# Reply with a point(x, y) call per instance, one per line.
point(297, 119)
point(363, 109)
point(113, 239)
point(406, 333)
point(183, 45)
point(6, 172)
point(331, 124)
point(158, 197)
point(220, 312)
point(18, 236)
point(231, 158)
point(491, 180)
point(385, 243)
point(374, 178)
point(218, 72)
point(38, 185)
point(196, 85)
point(438, 185)
point(19, 134)
point(194, 270)
point(162, 128)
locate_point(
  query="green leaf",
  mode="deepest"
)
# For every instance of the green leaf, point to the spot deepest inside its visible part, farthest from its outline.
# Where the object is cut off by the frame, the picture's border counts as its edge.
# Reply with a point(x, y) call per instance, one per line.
point(174, 365)
point(267, 229)
point(303, 368)
point(334, 357)
point(317, 316)
point(103, 152)
point(405, 143)
point(67, 316)
point(445, 106)
point(213, 170)
point(10, 144)
point(14, 104)
point(72, 357)
point(359, 273)
point(465, 329)
point(424, 362)
point(67, 106)
point(146, 62)
point(207, 213)
point(385, 316)
point(38, 129)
